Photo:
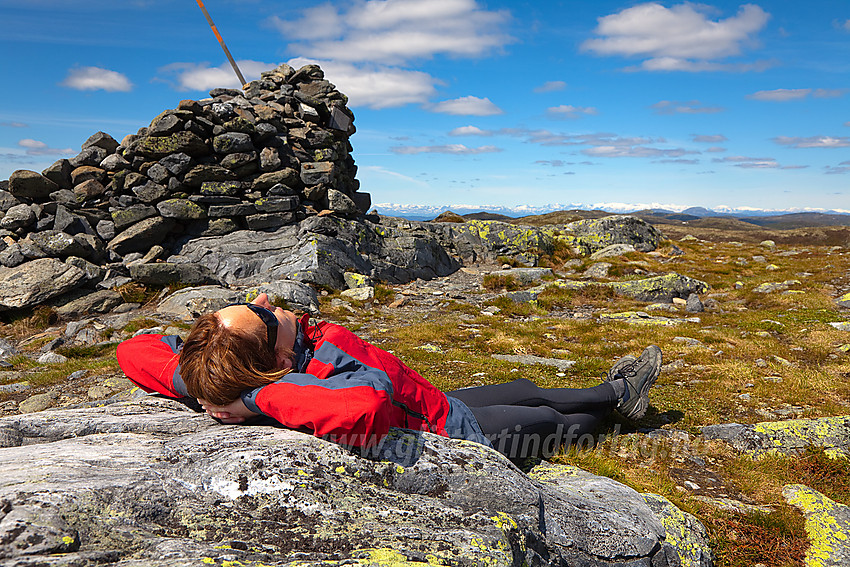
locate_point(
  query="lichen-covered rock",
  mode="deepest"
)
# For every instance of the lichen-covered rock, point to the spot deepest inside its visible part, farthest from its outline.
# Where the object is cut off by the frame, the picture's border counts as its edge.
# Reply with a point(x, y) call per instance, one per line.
point(180, 209)
point(591, 235)
point(773, 287)
point(786, 437)
point(183, 142)
point(827, 525)
point(481, 241)
point(844, 300)
point(36, 281)
point(660, 288)
point(653, 289)
point(149, 482)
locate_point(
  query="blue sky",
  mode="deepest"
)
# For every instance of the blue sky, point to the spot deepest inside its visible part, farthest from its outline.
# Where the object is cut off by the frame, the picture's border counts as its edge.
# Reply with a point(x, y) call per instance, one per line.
point(464, 102)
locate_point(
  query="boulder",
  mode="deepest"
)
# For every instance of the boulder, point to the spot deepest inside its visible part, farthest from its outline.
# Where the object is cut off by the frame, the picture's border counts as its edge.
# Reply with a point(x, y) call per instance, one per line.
point(660, 288)
point(101, 140)
point(180, 209)
point(150, 482)
point(612, 250)
point(787, 437)
point(57, 244)
point(36, 281)
point(18, 216)
point(101, 301)
point(341, 203)
point(7, 201)
point(319, 251)
point(31, 185)
point(59, 173)
point(166, 273)
point(141, 236)
point(591, 235)
point(180, 142)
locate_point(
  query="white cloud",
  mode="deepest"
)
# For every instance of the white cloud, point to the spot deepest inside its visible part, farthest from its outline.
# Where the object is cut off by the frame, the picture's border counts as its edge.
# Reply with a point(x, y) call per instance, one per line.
point(675, 64)
point(96, 78)
point(396, 31)
point(13, 125)
point(379, 170)
point(710, 139)
point(828, 93)
point(749, 162)
point(715, 149)
point(570, 111)
point(551, 86)
point(843, 167)
point(689, 107)
point(781, 95)
point(470, 131)
point(634, 151)
point(466, 105)
point(680, 38)
point(202, 77)
point(38, 148)
point(375, 86)
point(756, 163)
point(456, 149)
point(813, 141)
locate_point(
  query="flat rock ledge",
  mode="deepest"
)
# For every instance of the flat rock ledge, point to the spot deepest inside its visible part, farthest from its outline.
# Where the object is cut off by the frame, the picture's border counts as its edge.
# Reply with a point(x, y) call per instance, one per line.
point(149, 482)
point(827, 525)
point(786, 437)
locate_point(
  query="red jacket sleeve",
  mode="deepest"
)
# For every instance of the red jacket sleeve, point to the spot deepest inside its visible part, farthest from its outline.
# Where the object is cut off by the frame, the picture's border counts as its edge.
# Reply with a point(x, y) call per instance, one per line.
point(346, 408)
point(152, 363)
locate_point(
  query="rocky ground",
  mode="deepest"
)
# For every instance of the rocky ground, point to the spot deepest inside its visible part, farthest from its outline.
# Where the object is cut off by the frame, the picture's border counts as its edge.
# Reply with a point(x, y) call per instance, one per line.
point(764, 346)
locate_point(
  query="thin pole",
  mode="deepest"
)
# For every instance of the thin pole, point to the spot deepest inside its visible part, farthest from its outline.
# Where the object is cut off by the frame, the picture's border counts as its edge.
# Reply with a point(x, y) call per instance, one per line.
point(223, 46)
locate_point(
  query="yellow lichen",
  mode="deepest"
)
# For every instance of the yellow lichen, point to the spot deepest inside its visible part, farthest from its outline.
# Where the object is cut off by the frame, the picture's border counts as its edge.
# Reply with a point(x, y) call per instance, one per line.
point(825, 530)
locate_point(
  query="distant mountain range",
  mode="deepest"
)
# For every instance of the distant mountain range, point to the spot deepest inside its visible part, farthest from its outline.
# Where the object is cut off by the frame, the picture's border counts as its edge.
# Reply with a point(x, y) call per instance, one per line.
point(777, 219)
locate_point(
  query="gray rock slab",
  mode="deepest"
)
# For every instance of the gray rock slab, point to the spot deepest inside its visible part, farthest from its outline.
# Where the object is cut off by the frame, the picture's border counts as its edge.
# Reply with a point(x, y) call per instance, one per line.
point(37, 281)
point(189, 303)
point(787, 437)
point(165, 273)
point(141, 236)
point(526, 276)
point(101, 301)
point(827, 525)
point(612, 250)
point(150, 482)
point(322, 256)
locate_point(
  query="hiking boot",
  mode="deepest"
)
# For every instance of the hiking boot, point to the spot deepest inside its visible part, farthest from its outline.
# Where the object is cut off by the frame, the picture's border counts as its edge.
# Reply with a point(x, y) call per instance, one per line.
point(613, 374)
point(639, 375)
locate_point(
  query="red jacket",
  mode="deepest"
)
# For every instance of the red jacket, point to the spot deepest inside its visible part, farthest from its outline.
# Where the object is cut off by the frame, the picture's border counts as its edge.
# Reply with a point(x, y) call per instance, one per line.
point(344, 389)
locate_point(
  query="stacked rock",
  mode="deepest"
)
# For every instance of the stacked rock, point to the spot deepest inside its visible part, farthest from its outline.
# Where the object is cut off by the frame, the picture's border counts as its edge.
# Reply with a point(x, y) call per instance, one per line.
point(258, 159)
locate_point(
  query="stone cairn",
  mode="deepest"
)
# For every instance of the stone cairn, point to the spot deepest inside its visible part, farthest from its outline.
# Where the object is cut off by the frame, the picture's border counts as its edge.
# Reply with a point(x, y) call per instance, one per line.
point(267, 156)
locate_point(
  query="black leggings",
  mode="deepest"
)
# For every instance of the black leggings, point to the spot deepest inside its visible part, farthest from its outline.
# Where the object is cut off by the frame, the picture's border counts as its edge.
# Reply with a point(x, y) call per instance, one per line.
point(523, 420)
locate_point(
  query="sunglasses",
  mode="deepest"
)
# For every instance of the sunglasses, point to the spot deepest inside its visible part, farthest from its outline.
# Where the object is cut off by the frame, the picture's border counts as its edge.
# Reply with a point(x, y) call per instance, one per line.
point(268, 318)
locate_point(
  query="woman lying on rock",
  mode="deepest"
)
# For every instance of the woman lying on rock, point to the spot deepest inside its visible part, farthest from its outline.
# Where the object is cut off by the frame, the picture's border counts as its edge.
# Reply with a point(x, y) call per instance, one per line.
point(253, 359)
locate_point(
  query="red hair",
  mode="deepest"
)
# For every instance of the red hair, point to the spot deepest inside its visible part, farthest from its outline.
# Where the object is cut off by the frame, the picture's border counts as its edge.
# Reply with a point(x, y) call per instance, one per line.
point(218, 364)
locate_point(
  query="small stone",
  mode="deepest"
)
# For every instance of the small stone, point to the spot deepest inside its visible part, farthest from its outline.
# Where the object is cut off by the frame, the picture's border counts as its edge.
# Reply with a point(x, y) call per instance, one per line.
point(38, 402)
point(360, 293)
point(51, 358)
